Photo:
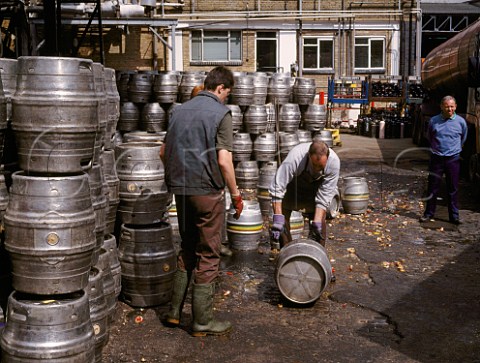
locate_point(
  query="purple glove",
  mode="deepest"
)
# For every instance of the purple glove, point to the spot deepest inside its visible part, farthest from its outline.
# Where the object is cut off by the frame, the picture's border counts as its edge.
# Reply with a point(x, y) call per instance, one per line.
point(277, 227)
point(316, 228)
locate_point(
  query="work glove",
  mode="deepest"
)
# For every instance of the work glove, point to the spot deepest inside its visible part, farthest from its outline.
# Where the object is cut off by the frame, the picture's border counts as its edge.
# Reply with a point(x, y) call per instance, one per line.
point(237, 203)
point(277, 227)
point(316, 229)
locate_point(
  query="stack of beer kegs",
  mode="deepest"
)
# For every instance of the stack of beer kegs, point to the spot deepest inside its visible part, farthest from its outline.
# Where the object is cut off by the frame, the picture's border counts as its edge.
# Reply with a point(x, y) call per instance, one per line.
point(64, 291)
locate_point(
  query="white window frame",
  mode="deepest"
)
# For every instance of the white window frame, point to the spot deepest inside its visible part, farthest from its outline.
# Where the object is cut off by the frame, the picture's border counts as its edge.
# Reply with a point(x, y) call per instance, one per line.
point(205, 35)
point(319, 40)
point(369, 50)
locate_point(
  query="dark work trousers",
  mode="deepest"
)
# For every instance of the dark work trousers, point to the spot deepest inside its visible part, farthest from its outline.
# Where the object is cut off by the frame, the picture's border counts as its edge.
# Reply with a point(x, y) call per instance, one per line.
point(200, 221)
point(300, 195)
point(450, 166)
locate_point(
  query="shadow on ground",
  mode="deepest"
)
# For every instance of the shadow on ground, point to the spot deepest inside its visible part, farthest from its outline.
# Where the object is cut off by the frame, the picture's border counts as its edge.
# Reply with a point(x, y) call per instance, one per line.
point(439, 319)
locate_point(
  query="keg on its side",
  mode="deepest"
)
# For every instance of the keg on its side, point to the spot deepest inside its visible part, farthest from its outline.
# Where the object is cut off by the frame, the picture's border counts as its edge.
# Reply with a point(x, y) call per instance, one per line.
point(303, 271)
point(53, 329)
point(148, 261)
point(49, 233)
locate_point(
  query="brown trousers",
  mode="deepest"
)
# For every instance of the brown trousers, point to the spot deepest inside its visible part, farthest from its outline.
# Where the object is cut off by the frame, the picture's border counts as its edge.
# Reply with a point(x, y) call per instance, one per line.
point(200, 221)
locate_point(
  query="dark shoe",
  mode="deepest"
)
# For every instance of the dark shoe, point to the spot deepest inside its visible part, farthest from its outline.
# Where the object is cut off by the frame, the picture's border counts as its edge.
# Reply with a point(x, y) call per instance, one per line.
point(456, 222)
point(424, 219)
point(225, 251)
point(202, 306)
point(180, 287)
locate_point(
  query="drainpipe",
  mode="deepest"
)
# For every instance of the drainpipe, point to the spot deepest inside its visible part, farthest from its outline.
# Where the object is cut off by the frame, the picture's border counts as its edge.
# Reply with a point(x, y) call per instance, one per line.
point(155, 52)
point(418, 44)
point(300, 41)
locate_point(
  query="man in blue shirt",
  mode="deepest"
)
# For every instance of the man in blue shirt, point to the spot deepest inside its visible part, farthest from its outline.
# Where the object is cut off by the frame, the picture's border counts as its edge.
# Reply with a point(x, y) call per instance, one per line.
point(447, 132)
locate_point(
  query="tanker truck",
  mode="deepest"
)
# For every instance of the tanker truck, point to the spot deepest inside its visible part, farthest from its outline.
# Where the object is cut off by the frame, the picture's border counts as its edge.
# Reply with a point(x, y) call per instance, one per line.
point(453, 68)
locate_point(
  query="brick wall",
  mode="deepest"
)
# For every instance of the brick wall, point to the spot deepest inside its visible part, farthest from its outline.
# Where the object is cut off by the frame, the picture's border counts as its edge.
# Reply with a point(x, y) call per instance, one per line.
point(289, 5)
point(135, 50)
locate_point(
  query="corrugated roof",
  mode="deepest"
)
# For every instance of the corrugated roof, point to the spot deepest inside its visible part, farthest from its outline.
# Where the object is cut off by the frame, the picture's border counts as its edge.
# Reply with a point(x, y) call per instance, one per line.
point(449, 8)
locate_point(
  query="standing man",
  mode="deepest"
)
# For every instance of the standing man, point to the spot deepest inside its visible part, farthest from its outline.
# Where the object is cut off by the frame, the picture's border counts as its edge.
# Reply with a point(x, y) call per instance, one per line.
point(447, 132)
point(307, 179)
point(197, 155)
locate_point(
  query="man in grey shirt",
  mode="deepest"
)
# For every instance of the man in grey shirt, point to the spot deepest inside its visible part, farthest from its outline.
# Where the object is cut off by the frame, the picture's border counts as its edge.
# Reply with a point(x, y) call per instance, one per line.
point(307, 181)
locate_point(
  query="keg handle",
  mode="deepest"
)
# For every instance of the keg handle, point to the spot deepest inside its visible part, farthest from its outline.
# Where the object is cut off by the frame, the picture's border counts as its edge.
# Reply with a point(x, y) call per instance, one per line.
point(53, 260)
point(85, 64)
point(18, 315)
point(87, 166)
point(126, 235)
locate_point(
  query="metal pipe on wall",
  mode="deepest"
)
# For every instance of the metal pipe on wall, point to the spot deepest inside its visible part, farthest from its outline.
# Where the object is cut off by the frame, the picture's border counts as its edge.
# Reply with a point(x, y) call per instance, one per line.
point(154, 52)
point(418, 45)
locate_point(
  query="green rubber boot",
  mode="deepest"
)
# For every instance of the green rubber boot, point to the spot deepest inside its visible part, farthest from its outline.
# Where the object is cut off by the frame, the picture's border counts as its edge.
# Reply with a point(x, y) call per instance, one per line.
point(180, 287)
point(202, 305)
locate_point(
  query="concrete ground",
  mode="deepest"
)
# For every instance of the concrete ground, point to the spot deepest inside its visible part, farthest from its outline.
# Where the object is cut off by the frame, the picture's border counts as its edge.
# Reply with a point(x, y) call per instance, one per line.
point(404, 292)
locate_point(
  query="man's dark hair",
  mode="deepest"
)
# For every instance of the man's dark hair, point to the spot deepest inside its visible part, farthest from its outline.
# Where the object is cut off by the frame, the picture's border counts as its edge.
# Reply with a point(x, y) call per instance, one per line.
point(318, 148)
point(217, 76)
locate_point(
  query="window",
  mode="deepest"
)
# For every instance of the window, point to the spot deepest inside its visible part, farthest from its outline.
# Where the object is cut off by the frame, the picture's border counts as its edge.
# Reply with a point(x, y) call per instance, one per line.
point(369, 53)
point(267, 52)
point(318, 53)
point(216, 46)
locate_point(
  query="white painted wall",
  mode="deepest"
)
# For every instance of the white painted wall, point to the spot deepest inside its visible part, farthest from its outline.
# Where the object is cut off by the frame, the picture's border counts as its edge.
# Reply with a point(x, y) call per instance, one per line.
point(178, 52)
point(395, 52)
point(287, 49)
